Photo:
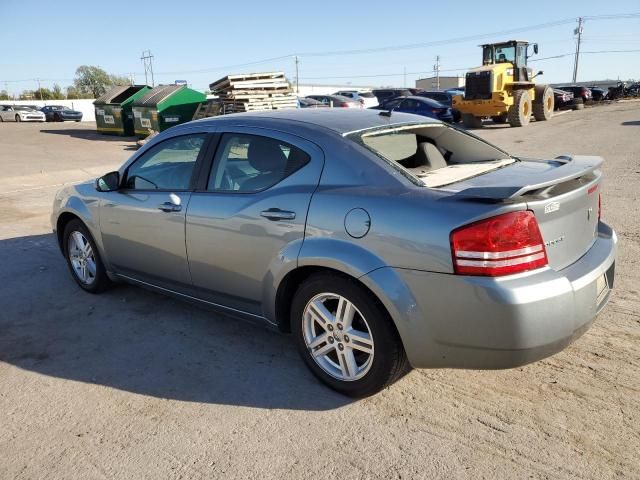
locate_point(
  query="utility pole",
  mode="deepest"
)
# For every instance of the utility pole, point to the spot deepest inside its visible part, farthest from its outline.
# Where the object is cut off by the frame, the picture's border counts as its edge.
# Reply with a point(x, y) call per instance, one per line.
point(147, 61)
point(436, 72)
point(39, 87)
point(297, 75)
point(578, 32)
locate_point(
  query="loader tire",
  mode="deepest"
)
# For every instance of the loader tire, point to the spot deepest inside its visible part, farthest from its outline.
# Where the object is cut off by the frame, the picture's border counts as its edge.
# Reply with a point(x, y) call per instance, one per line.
point(471, 121)
point(520, 112)
point(544, 103)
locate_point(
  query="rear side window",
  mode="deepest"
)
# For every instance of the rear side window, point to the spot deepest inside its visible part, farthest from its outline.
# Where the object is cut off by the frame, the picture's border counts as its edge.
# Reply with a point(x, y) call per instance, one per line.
point(251, 163)
point(366, 95)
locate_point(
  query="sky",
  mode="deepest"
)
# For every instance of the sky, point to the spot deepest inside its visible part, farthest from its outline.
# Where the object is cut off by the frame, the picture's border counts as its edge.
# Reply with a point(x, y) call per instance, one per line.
point(359, 43)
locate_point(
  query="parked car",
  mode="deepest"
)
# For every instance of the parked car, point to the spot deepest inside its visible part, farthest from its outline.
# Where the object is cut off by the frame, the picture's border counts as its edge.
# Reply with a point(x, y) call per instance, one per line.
point(20, 113)
point(419, 106)
point(562, 99)
point(336, 101)
point(578, 92)
point(379, 242)
point(445, 98)
point(384, 94)
point(59, 113)
point(597, 93)
point(304, 102)
point(367, 99)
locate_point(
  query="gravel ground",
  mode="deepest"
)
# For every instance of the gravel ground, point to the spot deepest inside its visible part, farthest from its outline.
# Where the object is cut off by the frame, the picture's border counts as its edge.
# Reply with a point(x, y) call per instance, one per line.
point(131, 384)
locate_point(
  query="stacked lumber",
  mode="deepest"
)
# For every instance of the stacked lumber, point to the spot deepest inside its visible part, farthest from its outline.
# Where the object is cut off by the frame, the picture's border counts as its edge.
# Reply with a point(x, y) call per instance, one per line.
point(209, 108)
point(255, 91)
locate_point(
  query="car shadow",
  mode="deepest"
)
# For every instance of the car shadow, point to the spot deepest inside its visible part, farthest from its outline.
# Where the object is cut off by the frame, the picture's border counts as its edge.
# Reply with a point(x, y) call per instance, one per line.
point(86, 134)
point(631, 123)
point(138, 341)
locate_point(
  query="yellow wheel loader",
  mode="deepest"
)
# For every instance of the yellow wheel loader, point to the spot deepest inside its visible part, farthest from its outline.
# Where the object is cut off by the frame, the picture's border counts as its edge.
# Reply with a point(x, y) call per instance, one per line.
point(503, 88)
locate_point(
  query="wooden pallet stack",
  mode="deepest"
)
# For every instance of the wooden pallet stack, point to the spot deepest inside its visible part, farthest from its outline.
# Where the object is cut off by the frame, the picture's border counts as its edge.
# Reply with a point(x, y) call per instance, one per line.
point(255, 91)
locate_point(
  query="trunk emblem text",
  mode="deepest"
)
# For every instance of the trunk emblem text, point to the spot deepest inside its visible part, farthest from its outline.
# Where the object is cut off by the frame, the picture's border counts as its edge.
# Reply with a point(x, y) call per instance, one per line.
point(555, 241)
point(551, 207)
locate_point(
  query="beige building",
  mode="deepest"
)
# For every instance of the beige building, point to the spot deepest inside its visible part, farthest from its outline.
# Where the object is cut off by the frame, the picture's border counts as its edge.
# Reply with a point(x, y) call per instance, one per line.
point(431, 83)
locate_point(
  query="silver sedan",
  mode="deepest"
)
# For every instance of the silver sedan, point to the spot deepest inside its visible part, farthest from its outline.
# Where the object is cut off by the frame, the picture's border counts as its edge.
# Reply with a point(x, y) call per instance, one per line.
point(381, 241)
point(18, 113)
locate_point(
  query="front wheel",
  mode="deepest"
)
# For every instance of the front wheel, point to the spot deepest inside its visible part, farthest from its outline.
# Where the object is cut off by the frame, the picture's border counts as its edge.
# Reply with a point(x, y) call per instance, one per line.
point(18, 119)
point(544, 103)
point(83, 259)
point(345, 336)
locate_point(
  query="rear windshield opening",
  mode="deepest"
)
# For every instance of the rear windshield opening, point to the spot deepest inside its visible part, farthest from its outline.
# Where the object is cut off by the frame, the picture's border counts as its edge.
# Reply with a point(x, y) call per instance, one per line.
point(433, 155)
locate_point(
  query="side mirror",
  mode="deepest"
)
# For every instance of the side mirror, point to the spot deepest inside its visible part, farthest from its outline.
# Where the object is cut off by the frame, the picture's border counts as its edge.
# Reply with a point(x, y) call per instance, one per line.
point(109, 182)
point(535, 48)
point(540, 72)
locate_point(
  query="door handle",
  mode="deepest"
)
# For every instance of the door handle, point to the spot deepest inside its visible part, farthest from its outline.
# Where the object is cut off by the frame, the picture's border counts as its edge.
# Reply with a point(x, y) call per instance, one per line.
point(277, 214)
point(169, 207)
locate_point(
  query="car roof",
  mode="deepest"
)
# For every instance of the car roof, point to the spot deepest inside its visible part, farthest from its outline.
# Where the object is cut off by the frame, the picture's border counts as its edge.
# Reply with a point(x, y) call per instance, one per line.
point(339, 120)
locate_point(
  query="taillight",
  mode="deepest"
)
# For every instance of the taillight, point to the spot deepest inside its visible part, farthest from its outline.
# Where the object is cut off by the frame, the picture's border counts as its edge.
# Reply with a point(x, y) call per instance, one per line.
point(501, 245)
point(439, 110)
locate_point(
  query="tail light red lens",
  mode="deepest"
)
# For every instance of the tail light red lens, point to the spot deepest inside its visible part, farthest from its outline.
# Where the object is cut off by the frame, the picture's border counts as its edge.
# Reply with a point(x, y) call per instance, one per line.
point(439, 110)
point(501, 245)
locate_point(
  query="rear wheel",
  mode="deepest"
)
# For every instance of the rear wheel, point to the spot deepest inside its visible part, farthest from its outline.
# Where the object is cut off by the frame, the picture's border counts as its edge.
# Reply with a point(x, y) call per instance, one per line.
point(18, 119)
point(471, 121)
point(544, 103)
point(83, 259)
point(500, 118)
point(578, 104)
point(345, 336)
point(520, 112)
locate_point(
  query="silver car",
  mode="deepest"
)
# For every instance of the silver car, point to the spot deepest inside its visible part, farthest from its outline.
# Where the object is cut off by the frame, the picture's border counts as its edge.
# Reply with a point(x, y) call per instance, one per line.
point(20, 113)
point(380, 240)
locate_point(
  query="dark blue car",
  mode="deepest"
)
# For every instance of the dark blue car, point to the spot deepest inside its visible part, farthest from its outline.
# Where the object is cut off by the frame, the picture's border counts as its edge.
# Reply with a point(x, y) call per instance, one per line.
point(419, 106)
point(60, 113)
point(445, 98)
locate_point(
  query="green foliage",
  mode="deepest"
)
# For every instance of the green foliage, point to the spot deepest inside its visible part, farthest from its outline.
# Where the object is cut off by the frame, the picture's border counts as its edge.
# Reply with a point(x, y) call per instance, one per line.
point(4, 95)
point(94, 81)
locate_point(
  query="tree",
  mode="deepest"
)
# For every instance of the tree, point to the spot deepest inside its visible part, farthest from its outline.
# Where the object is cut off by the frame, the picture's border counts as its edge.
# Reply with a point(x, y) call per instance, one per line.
point(57, 92)
point(4, 95)
point(95, 81)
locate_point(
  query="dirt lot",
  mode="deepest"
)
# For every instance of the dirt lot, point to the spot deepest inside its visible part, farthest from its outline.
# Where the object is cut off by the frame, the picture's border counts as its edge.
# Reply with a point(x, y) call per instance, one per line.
point(130, 384)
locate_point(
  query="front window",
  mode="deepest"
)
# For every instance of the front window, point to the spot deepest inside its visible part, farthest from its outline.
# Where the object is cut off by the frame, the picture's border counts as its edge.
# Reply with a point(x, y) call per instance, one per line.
point(167, 166)
point(505, 54)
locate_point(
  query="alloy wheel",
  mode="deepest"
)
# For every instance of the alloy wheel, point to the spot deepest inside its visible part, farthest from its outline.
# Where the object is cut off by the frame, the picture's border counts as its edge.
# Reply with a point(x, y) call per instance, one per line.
point(82, 258)
point(338, 337)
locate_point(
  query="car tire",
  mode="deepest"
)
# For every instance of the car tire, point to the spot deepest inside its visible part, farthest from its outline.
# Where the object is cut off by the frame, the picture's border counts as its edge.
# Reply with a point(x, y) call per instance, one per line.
point(500, 119)
point(544, 103)
point(18, 119)
point(360, 354)
point(471, 121)
point(83, 258)
point(578, 104)
point(56, 118)
point(519, 113)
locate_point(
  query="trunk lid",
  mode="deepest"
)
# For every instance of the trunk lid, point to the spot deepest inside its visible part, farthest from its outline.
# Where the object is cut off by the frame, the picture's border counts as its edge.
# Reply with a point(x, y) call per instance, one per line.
point(562, 193)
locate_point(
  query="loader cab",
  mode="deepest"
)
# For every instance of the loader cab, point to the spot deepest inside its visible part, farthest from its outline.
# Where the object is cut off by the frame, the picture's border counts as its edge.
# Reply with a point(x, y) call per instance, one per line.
point(514, 52)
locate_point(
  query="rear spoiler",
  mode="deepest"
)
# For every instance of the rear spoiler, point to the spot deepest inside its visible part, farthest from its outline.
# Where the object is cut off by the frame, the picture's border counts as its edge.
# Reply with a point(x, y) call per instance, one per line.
point(522, 182)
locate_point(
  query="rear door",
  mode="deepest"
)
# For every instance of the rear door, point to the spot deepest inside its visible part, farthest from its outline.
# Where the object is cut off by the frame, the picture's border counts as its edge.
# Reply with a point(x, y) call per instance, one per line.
point(143, 223)
point(248, 215)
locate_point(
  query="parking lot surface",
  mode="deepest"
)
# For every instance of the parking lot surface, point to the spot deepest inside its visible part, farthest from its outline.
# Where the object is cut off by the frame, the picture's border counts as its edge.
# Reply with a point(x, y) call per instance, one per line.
point(130, 384)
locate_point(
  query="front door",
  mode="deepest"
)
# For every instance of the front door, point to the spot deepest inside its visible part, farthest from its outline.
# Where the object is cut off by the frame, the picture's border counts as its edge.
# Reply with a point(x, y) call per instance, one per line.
point(250, 215)
point(143, 223)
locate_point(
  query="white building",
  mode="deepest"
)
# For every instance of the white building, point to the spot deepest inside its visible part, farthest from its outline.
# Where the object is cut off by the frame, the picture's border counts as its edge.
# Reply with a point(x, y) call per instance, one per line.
point(431, 83)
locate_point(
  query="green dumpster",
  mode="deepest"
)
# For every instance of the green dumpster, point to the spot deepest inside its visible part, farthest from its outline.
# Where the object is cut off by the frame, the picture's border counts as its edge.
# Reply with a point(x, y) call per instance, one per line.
point(114, 114)
point(163, 107)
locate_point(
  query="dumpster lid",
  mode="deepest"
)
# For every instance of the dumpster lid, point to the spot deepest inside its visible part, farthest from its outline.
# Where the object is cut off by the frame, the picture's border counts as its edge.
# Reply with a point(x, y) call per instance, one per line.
point(154, 96)
point(115, 95)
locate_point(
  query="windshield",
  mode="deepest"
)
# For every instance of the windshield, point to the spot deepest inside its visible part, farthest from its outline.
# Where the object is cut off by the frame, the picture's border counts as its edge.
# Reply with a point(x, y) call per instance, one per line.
point(505, 54)
point(22, 108)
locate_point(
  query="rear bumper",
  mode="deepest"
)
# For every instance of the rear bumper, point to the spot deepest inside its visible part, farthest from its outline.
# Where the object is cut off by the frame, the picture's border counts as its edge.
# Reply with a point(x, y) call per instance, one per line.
point(489, 323)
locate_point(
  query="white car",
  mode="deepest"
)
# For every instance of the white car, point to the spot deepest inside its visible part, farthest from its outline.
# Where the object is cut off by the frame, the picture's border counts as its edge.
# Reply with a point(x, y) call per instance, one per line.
point(367, 99)
point(18, 113)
